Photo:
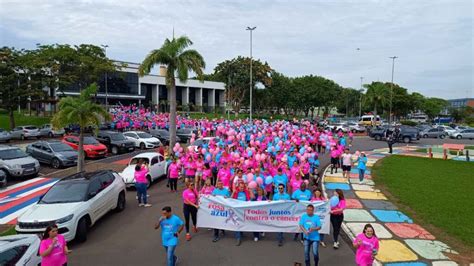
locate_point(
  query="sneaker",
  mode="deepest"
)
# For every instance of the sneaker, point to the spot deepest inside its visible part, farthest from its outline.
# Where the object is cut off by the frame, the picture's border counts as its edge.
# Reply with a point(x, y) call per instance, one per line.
point(176, 259)
point(255, 239)
point(195, 230)
point(280, 243)
point(336, 245)
point(215, 239)
point(302, 242)
point(323, 244)
point(238, 242)
point(141, 205)
point(188, 237)
point(147, 205)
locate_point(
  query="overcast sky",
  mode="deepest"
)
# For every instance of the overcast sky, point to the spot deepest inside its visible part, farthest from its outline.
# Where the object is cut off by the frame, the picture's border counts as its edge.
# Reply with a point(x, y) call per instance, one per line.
point(432, 38)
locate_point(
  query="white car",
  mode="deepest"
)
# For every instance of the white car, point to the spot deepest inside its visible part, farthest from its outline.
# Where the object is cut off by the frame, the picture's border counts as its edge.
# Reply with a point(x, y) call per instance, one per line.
point(20, 250)
point(75, 203)
point(448, 129)
point(142, 139)
point(199, 142)
point(156, 163)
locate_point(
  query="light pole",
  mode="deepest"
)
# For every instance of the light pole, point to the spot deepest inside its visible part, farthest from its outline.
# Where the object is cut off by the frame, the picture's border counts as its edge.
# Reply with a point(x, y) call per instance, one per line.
point(360, 97)
point(106, 81)
point(391, 90)
point(251, 29)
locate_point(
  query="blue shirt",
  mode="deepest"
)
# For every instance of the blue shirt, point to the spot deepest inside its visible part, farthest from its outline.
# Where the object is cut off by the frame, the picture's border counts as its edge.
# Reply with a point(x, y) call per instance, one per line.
point(221, 192)
point(280, 179)
point(308, 222)
point(291, 160)
point(280, 196)
point(242, 196)
point(362, 163)
point(301, 195)
point(169, 227)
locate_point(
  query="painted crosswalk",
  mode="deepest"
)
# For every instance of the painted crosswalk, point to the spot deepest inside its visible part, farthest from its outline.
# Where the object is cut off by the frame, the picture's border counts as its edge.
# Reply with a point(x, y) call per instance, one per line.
point(16, 199)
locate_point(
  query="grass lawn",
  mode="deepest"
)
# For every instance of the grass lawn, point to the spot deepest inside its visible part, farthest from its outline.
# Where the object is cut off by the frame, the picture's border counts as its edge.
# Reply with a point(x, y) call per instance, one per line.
point(425, 150)
point(434, 192)
point(22, 120)
point(9, 231)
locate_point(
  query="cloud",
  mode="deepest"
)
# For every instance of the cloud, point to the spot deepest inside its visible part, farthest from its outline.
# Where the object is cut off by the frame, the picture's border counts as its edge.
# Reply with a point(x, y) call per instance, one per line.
point(433, 39)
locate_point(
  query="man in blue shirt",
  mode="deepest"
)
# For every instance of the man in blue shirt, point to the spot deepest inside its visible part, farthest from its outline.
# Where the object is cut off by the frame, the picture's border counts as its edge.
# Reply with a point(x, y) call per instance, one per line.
point(220, 190)
point(310, 225)
point(171, 226)
point(281, 195)
point(302, 193)
point(280, 178)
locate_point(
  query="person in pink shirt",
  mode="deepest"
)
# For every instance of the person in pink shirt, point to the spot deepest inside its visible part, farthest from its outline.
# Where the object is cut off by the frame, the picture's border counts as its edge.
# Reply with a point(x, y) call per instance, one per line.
point(53, 248)
point(295, 183)
point(224, 175)
point(206, 173)
point(318, 196)
point(189, 169)
point(190, 207)
point(367, 245)
point(173, 171)
point(208, 188)
point(199, 164)
point(337, 216)
point(141, 183)
point(334, 159)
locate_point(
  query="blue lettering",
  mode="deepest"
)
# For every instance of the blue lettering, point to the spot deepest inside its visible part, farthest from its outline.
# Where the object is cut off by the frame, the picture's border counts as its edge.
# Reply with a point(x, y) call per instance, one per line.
point(277, 213)
point(219, 213)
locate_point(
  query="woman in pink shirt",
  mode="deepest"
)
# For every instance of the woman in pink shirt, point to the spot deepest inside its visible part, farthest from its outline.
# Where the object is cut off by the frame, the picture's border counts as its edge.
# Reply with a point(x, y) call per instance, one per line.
point(337, 216)
point(53, 248)
point(295, 183)
point(224, 175)
point(207, 189)
point(141, 183)
point(190, 207)
point(173, 171)
point(206, 173)
point(367, 245)
point(189, 169)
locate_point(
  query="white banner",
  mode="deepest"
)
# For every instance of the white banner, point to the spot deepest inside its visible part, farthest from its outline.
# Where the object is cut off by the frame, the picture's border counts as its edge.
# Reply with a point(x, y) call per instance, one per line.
point(257, 216)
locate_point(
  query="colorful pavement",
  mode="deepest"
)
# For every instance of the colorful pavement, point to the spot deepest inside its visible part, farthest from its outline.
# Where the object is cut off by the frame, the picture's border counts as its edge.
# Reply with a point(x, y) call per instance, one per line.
point(402, 242)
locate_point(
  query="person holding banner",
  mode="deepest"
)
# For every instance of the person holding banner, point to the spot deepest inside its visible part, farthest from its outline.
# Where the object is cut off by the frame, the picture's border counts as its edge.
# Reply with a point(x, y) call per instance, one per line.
point(301, 194)
point(190, 201)
point(280, 178)
point(171, 226)
point(310, 225)
point(338, 204)
point(281, 195)
point(243, 194)
point(318, 196)
point(220, 190)
point(260, 196)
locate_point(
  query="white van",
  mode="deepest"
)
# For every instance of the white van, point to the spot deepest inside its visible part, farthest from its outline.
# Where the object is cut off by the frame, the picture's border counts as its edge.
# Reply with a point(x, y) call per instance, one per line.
point(419, 118)
point(370, 120)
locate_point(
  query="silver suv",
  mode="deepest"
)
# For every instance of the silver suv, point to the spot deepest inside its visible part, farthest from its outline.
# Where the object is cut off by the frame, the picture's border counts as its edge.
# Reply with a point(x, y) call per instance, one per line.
point(24, 132)
point(16, 163)
point(55, 153)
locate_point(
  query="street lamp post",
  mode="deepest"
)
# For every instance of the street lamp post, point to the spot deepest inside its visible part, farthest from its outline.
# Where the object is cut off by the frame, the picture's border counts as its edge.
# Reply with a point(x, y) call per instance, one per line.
point(360, 97)
point(106, 81)
point(391, 90)
point(251, 29)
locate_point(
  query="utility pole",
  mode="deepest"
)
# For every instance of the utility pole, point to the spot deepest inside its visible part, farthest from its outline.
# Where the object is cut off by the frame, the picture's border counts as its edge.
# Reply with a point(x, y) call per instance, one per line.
point(360, 97)
point(251, 29)
point(391, 90)
point(106, 81)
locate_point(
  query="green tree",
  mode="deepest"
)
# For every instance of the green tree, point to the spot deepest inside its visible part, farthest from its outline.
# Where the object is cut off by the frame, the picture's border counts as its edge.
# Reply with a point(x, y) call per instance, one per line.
point(377, 95)
point(82, 111)
point(178, 61)
point(432, 107)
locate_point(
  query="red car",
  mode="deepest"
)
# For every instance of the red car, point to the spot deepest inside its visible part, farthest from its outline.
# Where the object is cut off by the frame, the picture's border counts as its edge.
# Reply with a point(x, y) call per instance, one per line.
point(92, 148)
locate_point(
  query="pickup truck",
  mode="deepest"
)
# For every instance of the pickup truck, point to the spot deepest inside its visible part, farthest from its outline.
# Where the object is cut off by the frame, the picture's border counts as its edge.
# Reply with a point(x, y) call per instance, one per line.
point(407, 134)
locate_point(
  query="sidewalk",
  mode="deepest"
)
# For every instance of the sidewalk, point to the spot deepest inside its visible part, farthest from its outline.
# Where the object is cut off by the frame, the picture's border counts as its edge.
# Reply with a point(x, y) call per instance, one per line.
point(402, 242)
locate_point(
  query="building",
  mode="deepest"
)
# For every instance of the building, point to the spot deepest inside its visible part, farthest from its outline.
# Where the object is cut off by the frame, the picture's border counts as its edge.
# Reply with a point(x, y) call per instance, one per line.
point(459, 103)
point(127, 87)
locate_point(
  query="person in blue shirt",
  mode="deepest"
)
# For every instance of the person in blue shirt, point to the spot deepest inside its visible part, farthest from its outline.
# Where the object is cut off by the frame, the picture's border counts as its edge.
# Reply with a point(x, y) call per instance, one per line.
point(291, 158)
point(220, 190)
point(171, 226)
point(301, 194)
point(362, 166)
point(310, 224)
point(281, 195)
point(280, 179)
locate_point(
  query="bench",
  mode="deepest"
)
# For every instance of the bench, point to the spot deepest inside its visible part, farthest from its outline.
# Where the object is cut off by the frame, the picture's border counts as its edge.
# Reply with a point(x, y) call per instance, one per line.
point(452, 147)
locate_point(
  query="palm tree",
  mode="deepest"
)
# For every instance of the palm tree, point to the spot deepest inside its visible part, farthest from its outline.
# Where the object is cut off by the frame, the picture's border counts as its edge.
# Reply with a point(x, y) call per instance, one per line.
point(179, 62)
point(83, 112)
point(377, 95)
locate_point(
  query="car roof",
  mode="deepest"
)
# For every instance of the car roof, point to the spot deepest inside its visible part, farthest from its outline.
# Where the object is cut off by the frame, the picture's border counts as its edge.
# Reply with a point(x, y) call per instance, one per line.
point(146, 155)
point(109, 132)
point(83, 176)
point(8, 147)
point(7, 240)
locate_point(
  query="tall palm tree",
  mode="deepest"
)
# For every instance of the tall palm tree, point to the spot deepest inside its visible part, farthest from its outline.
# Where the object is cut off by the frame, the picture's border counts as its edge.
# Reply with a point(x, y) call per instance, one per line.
point(179, 62)
point(83, 112)
point(377, 95)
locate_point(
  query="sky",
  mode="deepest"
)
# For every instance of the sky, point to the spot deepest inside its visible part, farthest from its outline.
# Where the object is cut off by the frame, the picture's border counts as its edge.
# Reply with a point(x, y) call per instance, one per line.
point(340, 40)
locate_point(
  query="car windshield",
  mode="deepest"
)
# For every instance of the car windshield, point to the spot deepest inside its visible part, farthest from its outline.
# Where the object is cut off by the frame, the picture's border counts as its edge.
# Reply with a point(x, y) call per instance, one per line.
point(31, 128)
point(164, 133)
point(144, 135)
point(117, 137)
point(64, 192)
point(11, 154)
point(138, 159)
point(59, 147)
point(90, 140)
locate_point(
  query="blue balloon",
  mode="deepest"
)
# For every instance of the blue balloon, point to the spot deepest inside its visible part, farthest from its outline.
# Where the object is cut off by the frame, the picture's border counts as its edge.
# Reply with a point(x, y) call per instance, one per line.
point(333, 201)
point(268, 180)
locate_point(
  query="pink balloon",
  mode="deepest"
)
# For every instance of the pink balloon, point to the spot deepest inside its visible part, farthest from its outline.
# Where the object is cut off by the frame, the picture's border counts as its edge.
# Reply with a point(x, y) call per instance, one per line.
point(257, 157)
point(250, 175)
point(181, 149)
point(203, 151)
point(307, 182)
point(259, 181)
point(253, 185)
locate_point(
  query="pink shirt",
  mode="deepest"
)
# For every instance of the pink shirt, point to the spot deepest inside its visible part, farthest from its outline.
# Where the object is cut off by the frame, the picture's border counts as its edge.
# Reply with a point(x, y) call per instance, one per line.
point(206, 173)
point(190, 195)
point(207, 190)
point(57, 256)
point(174, 170)
point(365, 250)
point(318, 199)
point(295, 184)
point(140, 176)
point(341, 205)
point(224, 176)
point(190, 168)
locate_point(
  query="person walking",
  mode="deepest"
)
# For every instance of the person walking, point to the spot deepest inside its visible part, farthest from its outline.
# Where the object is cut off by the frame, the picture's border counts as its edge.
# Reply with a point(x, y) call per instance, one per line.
point(318, 196)
point(190, 207)
point(367, 245)
point(243, 194)
point(310, 224)
point(173, 173)
point(346, 163)
point(259, 196)
point(337, 216)
point(301, 194)
point(389, 136)
point(141, 183)
point(53, 248)
point(281, 195)
point(220, 190)
point(361, 166)
point(171, 226)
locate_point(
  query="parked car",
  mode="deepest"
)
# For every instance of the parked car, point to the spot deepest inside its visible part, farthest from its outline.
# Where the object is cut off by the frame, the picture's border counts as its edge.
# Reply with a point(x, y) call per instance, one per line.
point(163, 135)
point(16, 163)
point(75, 203)
point(202, 141)
point(20, 250)
point(5, 135)
point(156, 163)
point(3, 178)
point(25, 132)
point(463, 134)
point(434, 133)
point(378, 132)
point(92, 148)
point(338, 126)
point(47, 130)
point(407, 134)
point(448, 129)
point(185, 134)
point(355, 127)
point(116, 142)
point(54, 153)
point(142, 139)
